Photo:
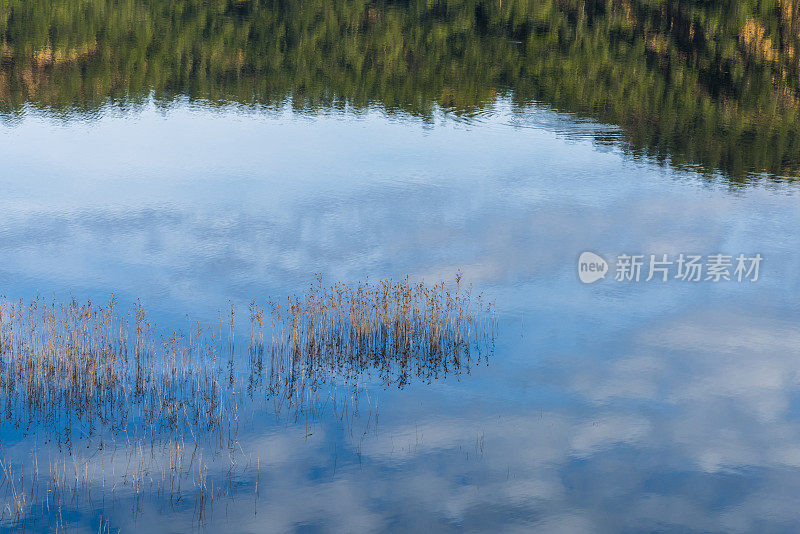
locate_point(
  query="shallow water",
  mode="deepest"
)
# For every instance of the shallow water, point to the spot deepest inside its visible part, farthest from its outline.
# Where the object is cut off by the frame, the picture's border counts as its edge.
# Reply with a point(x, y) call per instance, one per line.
point(616, 406)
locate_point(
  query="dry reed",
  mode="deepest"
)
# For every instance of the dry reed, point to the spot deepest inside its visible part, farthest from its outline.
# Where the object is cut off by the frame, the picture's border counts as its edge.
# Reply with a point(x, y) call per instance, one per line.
point(83, 373)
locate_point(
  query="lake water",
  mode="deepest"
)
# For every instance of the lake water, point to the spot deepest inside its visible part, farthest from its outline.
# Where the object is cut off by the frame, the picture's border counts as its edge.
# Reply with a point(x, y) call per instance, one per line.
point(200, 157)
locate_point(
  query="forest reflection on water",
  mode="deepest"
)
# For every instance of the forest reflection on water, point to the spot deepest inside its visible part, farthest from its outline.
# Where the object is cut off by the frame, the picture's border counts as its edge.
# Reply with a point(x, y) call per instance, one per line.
point(712, 86)
point(199, 155)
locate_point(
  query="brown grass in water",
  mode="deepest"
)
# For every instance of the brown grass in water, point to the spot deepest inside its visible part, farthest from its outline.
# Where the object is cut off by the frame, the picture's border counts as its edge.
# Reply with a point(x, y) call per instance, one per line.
point(148, 406)
point(399, 329)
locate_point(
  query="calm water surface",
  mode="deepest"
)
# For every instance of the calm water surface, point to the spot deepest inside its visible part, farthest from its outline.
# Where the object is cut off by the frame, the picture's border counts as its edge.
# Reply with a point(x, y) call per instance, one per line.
point(607, 407)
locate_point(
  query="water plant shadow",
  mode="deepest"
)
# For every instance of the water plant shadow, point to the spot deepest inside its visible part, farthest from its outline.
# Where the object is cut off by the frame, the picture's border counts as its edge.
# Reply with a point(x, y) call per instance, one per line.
point(120, 412)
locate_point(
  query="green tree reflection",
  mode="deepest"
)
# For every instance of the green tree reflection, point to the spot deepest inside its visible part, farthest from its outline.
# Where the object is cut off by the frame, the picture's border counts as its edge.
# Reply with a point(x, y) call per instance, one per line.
point(708, 84)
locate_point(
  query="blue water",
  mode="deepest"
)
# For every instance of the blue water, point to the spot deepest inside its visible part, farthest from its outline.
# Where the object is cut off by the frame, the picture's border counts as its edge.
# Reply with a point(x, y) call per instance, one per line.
point(615, 406)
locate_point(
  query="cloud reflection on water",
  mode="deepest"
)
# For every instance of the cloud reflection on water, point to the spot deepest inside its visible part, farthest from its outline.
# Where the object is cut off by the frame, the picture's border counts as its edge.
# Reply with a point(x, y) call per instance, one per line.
point(615, 407)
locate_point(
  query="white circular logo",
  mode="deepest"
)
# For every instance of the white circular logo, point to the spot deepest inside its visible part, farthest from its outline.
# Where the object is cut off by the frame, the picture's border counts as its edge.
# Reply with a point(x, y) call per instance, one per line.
point(591, 267)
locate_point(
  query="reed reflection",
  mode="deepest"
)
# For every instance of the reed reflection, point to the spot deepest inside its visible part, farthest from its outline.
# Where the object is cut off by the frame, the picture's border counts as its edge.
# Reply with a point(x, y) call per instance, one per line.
point(119, 410)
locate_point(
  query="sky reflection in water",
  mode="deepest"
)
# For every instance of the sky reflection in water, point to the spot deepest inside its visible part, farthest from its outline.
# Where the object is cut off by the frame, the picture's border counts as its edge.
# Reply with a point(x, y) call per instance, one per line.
point(607, 407)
